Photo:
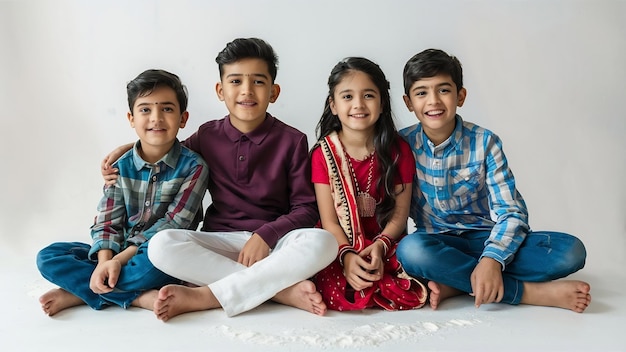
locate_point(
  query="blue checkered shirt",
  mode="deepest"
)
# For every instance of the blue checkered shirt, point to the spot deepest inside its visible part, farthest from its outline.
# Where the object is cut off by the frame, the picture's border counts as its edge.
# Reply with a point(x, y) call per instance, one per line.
point(465, 184)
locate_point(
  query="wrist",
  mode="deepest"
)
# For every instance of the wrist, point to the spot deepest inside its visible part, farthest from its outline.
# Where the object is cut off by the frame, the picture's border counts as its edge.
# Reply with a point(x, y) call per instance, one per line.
point(104, 255)
point(491, 262)
point(386, 241)
point(343, 250)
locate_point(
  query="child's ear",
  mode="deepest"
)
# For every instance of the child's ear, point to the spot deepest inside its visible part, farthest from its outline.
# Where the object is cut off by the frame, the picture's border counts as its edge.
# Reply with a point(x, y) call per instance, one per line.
point(461, 97)
point(331, 104)
point(274, 93)
point(131, 119)
point(183, 119)
point(219, 90)
point(407, 102)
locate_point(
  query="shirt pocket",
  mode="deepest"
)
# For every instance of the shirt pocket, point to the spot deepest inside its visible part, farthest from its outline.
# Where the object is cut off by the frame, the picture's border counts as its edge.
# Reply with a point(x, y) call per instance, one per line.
point(467, 183)
point(169, 190)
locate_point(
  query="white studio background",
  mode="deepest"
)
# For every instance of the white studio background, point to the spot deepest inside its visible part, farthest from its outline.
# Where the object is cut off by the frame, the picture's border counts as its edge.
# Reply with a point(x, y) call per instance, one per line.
point(547, 76)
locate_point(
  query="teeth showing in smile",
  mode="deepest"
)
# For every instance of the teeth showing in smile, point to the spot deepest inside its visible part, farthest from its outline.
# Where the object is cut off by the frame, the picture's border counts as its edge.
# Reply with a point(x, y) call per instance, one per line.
point(434, 112)
point(247, 103)
point(358, 115)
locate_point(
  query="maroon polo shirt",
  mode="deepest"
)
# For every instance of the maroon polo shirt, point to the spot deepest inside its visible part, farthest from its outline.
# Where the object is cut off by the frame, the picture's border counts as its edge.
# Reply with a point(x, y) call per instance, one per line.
point(258, 181)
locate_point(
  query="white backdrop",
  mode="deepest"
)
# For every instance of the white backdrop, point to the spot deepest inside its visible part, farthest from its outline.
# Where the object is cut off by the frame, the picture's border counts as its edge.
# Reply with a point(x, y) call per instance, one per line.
point(547, 76)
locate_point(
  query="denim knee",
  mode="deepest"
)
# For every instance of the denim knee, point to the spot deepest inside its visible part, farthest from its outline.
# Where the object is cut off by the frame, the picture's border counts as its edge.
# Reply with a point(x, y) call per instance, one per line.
point(413, 254)
point(41, 258)
point(48, 257)
point(572, 260)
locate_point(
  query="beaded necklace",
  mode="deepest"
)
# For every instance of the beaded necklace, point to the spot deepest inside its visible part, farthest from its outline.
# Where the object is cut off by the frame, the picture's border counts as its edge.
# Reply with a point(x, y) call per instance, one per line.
point(366, 204)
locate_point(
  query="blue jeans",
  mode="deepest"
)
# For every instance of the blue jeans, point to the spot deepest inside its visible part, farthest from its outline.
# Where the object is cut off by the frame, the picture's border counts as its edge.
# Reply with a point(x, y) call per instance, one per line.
point(450, 259)
point(66, 264)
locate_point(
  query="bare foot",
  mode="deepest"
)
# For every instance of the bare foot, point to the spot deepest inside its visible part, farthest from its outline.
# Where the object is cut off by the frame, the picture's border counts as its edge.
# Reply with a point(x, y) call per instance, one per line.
point(173, 300)
point(440, 292)
point(302, 295)
point(146, 300)
point(568, 294)
point(58, 299)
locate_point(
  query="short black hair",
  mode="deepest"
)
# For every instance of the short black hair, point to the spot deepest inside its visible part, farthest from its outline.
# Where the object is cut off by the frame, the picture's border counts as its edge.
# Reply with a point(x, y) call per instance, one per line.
point(244, 48)
point(149, 80)
point(430, 63)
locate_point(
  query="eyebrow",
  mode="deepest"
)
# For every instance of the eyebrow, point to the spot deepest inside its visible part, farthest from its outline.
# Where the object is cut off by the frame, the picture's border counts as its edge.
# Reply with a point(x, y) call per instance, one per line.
point(364, 90)
point(156, 103)
point(444, 84)
point(231, 75)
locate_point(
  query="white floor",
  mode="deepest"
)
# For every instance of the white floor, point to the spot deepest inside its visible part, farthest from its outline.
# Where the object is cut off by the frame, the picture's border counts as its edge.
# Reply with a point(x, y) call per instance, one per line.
point(62, 77)
point(273, 327)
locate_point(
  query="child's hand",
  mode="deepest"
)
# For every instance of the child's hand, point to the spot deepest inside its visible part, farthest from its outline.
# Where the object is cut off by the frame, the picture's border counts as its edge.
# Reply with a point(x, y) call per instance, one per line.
point(359, 273)
point(374, 255)
point(105, 276)
point(486, 280)
point(108, 173)
point(253, 251)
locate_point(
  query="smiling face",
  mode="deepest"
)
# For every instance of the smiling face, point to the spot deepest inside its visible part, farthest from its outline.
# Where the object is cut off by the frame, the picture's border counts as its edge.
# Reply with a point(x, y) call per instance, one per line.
point(247, 89)
point(156, 118)
point(356, 101)
point(434, 101)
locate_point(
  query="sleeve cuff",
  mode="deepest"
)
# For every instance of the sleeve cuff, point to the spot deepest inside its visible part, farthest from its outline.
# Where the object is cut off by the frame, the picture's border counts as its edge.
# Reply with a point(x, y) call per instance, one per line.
point(497, 255)
point(93, 252)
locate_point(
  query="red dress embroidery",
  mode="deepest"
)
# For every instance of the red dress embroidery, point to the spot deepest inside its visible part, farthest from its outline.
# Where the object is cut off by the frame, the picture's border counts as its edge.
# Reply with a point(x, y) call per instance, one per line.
point(396, 290)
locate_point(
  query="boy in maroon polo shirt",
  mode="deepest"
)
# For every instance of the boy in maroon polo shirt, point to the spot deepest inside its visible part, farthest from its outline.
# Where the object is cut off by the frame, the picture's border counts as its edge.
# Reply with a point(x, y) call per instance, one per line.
point(257, 240)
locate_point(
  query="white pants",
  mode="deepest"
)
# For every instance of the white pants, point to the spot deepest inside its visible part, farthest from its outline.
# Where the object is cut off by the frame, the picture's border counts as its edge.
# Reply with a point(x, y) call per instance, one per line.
point(210, 258)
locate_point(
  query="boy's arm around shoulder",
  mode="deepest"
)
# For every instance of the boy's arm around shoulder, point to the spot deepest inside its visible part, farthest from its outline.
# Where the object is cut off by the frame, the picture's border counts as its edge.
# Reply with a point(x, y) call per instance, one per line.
point(506, 204)
point(108, 171)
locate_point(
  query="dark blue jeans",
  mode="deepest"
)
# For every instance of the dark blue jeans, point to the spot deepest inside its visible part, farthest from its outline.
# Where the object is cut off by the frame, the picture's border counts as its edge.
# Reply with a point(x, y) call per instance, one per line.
point(450, 259)
point(66, 264)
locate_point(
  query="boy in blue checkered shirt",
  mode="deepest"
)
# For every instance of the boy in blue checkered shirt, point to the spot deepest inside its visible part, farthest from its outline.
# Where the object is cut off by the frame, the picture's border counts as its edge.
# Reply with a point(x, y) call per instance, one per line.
point(161, 185)
point(472, 233)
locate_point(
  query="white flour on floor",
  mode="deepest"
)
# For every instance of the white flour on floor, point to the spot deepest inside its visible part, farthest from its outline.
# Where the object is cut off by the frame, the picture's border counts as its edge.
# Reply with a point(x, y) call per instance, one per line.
point(334, 336)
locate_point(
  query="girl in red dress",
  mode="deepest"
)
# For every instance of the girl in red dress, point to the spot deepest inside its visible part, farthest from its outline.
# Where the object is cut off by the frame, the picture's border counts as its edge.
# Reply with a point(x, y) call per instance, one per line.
point(362, 172)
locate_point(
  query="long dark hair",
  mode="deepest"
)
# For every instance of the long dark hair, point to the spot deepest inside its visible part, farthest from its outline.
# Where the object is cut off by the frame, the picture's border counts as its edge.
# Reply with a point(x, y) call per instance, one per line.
point(385, 133)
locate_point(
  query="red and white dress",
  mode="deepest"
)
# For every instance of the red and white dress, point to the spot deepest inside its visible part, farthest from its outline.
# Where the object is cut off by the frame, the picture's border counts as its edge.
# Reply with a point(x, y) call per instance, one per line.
point(396, 290)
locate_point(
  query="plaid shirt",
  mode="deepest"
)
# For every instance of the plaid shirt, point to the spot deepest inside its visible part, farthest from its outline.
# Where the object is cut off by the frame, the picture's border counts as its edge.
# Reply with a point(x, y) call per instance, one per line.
point(465, 184)
point(148, 198)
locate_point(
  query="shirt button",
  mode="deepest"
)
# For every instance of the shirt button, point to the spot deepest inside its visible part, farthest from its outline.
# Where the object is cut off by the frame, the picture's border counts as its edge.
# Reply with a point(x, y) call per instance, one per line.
point(242, 158)
point(154, 178)
point(147, 203)
point(467, 179)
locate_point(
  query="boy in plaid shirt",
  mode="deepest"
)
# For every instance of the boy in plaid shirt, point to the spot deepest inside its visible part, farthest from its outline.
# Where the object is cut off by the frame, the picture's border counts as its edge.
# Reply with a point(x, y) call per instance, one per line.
point(161, 185)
